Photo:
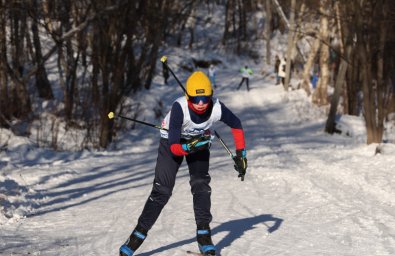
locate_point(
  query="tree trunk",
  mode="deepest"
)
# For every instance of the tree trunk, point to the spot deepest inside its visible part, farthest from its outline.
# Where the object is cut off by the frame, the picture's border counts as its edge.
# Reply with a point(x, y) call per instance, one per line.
point(227, 22)
point(70, 63)
point(383, 94)
point(42, 84)
point(354, 87)
point(331, 121)
point(368, 96)
point(242, 20)
point(18, 31)
point(309, 64)
point(4, 96)
point(321, 93)
point(192, 26)
point(371, 56)
point(268, 30)
point(291, 46)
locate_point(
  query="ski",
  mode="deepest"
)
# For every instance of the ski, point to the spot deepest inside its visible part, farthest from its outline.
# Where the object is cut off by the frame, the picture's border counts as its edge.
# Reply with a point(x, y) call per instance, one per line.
point(194, 253)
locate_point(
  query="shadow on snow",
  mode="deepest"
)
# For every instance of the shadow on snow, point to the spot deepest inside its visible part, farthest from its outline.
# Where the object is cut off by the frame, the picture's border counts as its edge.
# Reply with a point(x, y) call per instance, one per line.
point(235, 229)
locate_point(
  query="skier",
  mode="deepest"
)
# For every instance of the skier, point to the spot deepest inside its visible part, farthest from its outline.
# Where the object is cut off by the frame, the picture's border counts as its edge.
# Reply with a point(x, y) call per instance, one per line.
point(212, 72)
point(186, 133)
point(276, 68)
point(246, 73)
point(281, 70)
point(314, 80)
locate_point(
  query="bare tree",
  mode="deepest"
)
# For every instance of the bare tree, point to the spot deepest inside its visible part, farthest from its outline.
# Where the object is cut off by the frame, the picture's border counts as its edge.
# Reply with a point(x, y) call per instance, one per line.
point(230, 21)
point(321, 92)
point(330, 126)
point(268, 30)
point(124, 54)
point(15, 99)
point(187, 18)
point(291, 45)
point(42, 83)
point(236, 24)
point(4, 97)
point(368, 24)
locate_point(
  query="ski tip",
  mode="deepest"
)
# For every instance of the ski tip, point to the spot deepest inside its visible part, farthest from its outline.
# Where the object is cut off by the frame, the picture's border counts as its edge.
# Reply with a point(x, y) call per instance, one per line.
point(194, 253)
point(111, 115)
point(197, 253)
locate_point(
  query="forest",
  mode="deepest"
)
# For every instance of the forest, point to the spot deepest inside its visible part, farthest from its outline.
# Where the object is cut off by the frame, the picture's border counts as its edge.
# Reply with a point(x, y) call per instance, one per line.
point(102, 52)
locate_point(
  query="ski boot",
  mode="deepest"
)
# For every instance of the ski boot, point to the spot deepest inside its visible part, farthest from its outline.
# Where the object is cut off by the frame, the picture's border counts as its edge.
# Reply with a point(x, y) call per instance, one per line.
point(133, 243)
point(203, 236)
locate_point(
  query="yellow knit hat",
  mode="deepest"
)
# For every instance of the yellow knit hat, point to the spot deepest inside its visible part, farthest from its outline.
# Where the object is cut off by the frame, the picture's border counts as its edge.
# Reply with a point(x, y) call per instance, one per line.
point(198, 84)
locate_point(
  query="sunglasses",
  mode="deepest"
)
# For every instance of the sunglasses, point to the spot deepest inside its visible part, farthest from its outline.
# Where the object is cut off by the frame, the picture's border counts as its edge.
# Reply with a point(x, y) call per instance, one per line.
point(197, 99)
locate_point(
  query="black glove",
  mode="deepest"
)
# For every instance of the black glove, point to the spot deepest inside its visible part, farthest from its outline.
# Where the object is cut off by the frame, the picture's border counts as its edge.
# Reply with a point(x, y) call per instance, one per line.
point(200, 143)
point(241, 162)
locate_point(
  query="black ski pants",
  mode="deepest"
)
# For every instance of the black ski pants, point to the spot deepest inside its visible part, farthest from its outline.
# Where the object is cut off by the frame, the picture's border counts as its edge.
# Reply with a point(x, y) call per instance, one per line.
point(166, 169)
point(246, 79)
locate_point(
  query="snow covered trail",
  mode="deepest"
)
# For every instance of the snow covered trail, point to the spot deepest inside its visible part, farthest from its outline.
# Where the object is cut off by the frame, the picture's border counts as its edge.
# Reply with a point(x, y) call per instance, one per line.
point(306, 193)
point(332, 196)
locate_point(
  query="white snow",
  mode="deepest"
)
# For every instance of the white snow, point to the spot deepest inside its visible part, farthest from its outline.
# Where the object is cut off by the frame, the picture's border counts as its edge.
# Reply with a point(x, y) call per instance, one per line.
point(306, 193)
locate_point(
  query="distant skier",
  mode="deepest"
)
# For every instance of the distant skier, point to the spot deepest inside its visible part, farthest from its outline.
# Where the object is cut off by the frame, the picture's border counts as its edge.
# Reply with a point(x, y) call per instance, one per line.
point(276, 68)
point(246, 73)
point(212, 72)
point(281, 70)
point(314, 80)
point(186, 132)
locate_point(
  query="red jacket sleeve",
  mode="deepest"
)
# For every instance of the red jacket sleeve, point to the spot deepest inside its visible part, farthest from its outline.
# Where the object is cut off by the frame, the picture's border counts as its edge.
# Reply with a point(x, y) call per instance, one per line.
point(177, 150)
point(238, 136)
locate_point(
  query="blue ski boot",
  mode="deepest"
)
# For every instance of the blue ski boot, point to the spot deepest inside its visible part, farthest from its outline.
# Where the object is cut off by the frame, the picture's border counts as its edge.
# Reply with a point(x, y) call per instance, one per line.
point(203, 236)
point(133, 243)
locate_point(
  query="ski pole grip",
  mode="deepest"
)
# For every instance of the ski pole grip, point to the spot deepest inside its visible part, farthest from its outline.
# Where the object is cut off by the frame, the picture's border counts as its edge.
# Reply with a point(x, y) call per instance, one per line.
point(111, 115)
point(163, 59)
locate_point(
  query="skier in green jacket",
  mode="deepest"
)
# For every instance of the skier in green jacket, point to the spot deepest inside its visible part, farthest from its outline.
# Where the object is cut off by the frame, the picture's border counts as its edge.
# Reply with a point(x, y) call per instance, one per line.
point(246, 73)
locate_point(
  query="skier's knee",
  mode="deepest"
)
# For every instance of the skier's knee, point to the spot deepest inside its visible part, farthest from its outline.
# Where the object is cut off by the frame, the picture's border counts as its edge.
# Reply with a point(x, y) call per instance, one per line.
point(160, 193)
point(200, 184)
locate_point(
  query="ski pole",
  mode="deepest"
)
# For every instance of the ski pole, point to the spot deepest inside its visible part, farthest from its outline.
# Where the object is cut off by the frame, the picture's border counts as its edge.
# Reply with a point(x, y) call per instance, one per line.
point(223, 144)
point(228, 150)
point(164, 61)
point(111, 115)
